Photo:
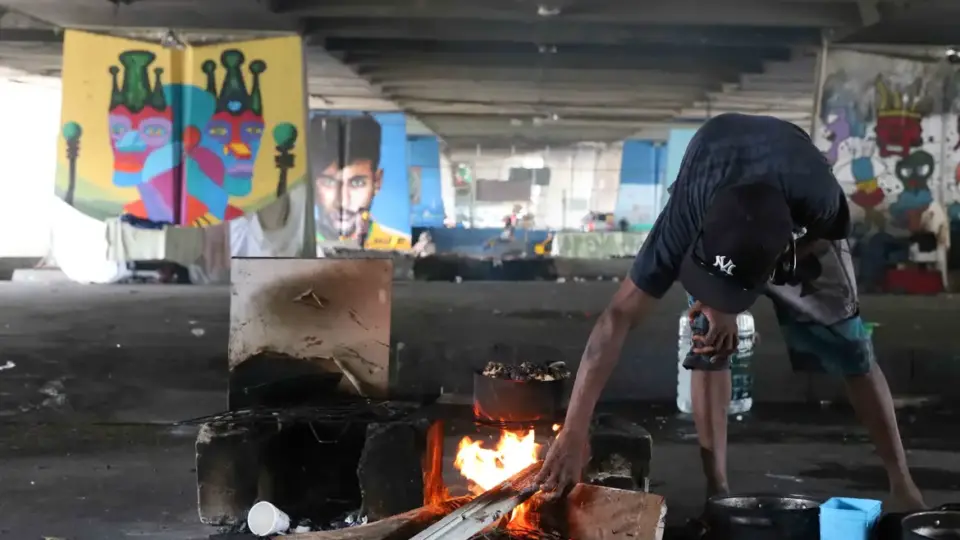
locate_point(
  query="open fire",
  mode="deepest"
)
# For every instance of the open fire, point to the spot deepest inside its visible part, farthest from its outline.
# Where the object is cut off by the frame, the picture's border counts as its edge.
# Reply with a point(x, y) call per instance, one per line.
point(486, 468)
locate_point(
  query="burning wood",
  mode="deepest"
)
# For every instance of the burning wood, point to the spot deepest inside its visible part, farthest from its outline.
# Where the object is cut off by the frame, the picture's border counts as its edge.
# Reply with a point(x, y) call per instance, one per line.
point(486, 510)
point(508, 504)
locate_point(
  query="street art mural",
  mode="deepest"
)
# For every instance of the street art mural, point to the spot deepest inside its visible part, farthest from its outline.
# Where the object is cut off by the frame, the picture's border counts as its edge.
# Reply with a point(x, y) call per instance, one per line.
point(889, 128)
point(189, 137)
point(360, 174)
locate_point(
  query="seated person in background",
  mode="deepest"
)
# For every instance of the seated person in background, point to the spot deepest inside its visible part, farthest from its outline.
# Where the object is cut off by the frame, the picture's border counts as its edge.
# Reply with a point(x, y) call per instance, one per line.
point(424, 245)
point(545, 247)
point(508, 225)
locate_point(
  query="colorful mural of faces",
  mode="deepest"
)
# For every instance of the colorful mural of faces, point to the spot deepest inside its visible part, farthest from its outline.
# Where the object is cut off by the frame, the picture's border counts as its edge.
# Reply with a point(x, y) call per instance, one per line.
point(880, 131)
point(140, 123)
point(221, 137)
point(189, 150)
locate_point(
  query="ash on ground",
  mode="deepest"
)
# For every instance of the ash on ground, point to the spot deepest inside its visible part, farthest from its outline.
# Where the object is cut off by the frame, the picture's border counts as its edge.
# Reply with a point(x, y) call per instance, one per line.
point(527, 371)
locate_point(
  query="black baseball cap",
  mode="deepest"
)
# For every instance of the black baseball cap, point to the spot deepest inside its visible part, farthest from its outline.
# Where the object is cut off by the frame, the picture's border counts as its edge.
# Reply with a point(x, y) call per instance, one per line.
point(743, 232)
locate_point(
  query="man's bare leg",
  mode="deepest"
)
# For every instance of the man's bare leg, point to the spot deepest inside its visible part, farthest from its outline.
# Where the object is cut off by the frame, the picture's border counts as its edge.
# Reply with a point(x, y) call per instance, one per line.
point(710, 394)
point(870, 396)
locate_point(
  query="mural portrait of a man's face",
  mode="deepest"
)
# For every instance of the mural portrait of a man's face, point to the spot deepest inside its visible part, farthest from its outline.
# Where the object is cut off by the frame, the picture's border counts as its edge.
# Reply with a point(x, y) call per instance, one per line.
point(345, 156)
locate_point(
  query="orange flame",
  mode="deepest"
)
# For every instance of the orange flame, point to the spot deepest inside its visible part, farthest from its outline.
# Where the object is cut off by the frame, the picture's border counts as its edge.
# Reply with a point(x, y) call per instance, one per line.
point(486, 468)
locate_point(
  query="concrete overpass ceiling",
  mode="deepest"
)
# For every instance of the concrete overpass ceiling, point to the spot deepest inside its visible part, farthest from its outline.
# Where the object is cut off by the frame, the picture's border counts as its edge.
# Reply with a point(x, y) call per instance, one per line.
point(919, 22)
point(555, 72)
point(507, 72)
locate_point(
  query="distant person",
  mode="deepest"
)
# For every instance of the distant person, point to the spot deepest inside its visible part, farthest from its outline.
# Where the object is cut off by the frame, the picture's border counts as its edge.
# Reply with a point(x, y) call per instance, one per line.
point(424, 246)
point(508, 226)
point(546, 247)
point(624, 225)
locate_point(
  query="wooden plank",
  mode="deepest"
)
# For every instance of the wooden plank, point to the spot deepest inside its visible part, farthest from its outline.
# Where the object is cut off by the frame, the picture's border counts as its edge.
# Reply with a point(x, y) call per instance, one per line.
point(601, 513)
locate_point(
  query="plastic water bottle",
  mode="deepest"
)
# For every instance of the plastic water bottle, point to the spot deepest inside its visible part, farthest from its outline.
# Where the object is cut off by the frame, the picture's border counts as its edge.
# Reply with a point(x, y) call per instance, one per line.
point(741, 399)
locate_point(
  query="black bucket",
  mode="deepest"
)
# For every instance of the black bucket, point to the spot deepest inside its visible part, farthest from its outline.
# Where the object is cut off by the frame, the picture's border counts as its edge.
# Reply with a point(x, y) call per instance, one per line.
point(506, 401)
point(763, 517)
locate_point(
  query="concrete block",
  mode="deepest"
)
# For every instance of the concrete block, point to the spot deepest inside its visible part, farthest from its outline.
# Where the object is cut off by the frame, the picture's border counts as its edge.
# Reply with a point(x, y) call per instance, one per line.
point(390, 469)
point(620, 454)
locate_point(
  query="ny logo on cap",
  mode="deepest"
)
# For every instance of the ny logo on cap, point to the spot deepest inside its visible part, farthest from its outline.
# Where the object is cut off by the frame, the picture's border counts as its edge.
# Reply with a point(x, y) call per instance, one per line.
point(726, 266)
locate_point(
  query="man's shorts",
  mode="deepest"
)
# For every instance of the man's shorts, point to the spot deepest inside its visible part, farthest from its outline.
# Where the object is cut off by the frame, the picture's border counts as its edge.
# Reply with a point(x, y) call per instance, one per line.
point(818, 315)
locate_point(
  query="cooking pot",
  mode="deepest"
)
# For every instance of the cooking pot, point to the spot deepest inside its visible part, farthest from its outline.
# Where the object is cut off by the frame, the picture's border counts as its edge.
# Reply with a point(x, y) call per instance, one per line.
point(942, 523)
point(512, 401)
point(763, 517)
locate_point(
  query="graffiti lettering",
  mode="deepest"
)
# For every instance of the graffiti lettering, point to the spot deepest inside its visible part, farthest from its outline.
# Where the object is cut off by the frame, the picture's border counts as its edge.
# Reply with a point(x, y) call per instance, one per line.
point(603, 245)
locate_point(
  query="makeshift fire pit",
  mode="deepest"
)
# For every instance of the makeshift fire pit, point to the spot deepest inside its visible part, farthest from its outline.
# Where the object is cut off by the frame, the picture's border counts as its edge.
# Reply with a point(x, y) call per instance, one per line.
point(506, 503)
point(311, 429)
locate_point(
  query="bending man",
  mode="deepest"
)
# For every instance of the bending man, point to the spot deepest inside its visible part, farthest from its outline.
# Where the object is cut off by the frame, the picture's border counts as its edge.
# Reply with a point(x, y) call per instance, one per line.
point(755, 210)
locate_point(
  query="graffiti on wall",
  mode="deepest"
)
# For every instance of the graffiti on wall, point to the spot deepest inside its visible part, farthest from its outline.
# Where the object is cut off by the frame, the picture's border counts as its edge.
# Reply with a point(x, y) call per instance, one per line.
point(176, 136)
point(598, 245)
point(889, 129)
point(360, 174)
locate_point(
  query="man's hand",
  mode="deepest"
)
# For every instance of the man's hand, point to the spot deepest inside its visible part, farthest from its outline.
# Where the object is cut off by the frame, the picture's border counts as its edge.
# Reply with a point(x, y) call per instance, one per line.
point(564, 464)
point(722, 336)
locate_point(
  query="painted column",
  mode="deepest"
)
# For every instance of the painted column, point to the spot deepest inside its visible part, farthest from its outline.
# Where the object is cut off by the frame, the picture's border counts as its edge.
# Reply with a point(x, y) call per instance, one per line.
point(190, 137)
point(637, 200)
point(426, 197)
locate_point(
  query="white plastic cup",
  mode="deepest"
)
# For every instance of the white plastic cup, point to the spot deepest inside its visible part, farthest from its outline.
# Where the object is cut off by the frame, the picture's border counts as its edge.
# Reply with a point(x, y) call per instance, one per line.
point(265, 519)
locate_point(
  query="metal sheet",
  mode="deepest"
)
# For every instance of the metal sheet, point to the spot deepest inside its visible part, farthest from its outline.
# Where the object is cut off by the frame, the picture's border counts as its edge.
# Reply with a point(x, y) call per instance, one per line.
point(319, 310)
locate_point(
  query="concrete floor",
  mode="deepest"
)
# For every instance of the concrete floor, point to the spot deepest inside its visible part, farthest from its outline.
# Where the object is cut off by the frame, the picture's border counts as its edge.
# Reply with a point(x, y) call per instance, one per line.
point(87, 451)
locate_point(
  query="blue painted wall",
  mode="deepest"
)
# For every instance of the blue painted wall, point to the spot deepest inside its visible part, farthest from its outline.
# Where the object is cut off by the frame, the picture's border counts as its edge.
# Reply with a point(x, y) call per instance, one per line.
point(426, 207)
point(676, 146)
point(641, 171)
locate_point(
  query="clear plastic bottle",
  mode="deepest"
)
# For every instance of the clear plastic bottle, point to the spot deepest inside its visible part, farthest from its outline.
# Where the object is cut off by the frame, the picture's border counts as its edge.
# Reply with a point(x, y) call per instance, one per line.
point(741, 399)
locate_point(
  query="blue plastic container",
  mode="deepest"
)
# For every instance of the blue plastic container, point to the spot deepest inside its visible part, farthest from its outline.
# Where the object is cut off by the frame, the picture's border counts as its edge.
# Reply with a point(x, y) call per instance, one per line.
point(842, 518)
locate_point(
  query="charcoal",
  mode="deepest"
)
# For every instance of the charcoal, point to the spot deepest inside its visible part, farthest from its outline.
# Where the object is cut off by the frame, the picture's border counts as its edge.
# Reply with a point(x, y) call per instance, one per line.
point(527, 371)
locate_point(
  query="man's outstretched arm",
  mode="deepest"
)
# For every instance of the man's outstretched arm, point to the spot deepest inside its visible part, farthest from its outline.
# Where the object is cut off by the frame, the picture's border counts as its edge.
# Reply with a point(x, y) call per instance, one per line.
point(653, 272)
point(568, 454)
point(628, 308)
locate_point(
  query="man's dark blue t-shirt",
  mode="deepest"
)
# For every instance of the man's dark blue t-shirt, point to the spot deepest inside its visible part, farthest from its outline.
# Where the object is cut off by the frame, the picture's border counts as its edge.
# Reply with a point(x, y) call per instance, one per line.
point(730, 149)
